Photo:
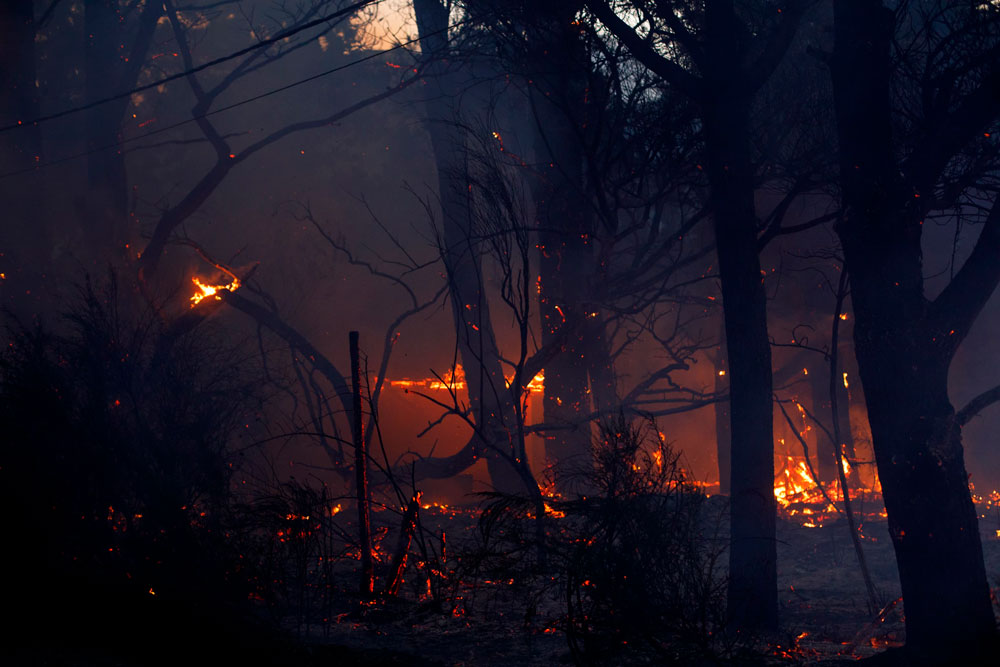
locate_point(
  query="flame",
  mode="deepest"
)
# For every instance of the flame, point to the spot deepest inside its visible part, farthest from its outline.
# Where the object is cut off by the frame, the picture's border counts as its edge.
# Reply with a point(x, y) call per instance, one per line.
point(451, 380)
point(795, 487)
point(211, 290)
point(455, 380)
point(554, 513)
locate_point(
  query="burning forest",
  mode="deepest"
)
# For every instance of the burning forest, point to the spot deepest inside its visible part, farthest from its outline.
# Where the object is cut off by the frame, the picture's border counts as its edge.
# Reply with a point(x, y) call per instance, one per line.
point(580, 332)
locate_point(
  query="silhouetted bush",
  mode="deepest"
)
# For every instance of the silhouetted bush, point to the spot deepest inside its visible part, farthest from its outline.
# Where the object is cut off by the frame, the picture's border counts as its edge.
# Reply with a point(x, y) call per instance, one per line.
point(115, 464)
point(637, 561)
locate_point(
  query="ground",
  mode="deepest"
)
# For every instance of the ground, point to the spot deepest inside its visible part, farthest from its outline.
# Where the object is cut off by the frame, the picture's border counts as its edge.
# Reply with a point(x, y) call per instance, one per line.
point(823, 610)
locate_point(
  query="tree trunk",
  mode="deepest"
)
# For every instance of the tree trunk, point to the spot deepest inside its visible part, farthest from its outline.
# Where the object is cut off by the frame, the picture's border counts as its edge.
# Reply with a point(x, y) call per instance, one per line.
point(557, 69)
point(826, 457)
point(367, 583)
point(753, 577)
point(600, 366)
point(918, 450)
point(114, 55)
point(752, 602)
point(104, 207)
point(723, 432)
point(564, 259)
point(903, 361)
point(488, 395)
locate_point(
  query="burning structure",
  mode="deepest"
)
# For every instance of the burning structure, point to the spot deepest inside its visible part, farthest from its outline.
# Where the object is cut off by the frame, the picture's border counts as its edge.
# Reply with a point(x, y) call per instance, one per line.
point(675, 321)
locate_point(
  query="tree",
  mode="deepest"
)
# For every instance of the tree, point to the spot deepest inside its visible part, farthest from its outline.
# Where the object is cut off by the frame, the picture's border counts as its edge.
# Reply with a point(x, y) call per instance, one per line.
point(916, 106)
point(709, 52)
point(109, 70)
point(462, 255)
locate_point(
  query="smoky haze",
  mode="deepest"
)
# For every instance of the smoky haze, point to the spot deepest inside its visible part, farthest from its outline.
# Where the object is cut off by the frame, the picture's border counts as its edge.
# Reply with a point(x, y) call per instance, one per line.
point(368, 181)
point(617, 269)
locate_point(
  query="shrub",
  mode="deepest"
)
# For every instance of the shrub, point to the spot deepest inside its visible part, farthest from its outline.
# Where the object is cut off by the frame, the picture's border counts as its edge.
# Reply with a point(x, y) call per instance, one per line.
point(115, 466)
point(637, 560)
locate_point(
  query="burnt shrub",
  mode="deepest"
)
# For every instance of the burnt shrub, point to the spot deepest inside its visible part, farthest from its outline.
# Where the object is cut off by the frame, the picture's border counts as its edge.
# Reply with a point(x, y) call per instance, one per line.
point(115, 469)
point(636, 560)
point(641, 558)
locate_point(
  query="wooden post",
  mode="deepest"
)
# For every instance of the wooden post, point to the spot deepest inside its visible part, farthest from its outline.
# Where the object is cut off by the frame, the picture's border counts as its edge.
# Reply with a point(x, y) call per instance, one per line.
point(361, 468)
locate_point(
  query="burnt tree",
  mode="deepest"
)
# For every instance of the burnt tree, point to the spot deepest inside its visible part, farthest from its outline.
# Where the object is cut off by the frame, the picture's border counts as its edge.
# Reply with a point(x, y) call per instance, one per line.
point(896, 170)
point(558, 70)
point(109, 70)
point(721, 67)
point(491, 406)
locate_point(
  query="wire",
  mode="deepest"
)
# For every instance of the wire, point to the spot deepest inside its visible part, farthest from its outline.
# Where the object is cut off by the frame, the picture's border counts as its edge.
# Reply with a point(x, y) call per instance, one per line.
point(194, 70)
point(229, 107)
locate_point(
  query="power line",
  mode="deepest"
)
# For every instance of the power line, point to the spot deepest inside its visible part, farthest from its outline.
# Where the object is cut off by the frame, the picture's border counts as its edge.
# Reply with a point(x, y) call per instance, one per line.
point(229, 107)
point(194, 70)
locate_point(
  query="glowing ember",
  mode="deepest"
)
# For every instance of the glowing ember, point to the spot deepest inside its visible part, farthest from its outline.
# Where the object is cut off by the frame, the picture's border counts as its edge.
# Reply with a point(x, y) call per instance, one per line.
point(211, 290)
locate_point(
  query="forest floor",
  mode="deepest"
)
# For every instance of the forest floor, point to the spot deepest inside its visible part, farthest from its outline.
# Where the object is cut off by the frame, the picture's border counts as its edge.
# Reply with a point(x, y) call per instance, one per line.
point(823, 609)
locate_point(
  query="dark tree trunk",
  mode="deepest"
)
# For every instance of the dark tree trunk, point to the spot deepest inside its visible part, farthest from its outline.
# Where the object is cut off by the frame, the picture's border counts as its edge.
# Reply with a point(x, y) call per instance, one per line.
point(725, 85)
point(367, 583)
point(723, 425)
point(105, 204)
point(115, 51)
point(753, 555)
point(565, 260)
point(826, 457)
point(903, 354)
point(753, 577)
point(477, 347)
point(845, 353)
point(580, 376)
point(600, 365)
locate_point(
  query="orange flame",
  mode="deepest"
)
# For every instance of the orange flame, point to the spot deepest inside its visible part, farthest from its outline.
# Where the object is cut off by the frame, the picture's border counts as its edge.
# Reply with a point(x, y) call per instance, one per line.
point(455, 380)
point(211, 290)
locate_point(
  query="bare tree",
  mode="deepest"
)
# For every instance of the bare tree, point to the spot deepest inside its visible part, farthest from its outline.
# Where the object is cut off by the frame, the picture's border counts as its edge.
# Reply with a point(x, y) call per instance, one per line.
point(708, 52)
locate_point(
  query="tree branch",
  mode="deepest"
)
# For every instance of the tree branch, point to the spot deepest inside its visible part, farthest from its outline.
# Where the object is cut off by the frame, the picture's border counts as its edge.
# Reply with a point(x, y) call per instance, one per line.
point(754, 76)
point(976, 405)
point(669, 71)
point(956, 308)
